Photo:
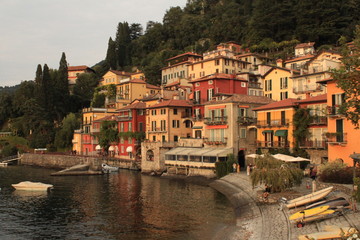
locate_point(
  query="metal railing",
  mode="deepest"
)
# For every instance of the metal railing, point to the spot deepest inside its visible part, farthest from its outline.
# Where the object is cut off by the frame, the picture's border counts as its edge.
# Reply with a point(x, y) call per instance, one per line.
point(247, 120)
point(273, 123)
point(336, 137)
point(215, 120)
point(313, 144)
point(318, 120)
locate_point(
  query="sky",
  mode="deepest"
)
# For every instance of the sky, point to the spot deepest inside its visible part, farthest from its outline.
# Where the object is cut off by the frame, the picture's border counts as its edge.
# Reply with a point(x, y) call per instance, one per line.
point(38, 31)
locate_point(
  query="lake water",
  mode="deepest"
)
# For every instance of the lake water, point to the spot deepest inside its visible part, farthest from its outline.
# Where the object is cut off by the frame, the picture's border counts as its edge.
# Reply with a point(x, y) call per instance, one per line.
point(124, 205)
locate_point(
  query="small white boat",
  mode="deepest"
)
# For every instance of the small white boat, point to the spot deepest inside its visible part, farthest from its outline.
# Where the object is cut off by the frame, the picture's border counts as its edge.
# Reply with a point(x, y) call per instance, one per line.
point(106, 168)
point(310, 198)
point(32, 186)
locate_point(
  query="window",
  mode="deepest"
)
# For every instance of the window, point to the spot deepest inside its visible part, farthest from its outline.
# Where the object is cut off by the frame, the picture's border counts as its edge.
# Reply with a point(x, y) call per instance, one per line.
point(283, 120)
point(122, 127)
point(153, 125)
point(141, 127)
point(269, 95)
point(243, 84)
point(268, 118)
point(154, 138)
point(176, 123)
point(283, 95)
point(268, 85)
point(242, 112)
point(163, 125)
point(175, 111)
point(163, 111)
point(283, 83)
point(217, 62)
point(210, 82)
point(197, 84)
point(176, 138)
point(163, 138)
point(242, 132)
point(210, 93)
point(130, 140)
point(130, 127)
point(153, 112)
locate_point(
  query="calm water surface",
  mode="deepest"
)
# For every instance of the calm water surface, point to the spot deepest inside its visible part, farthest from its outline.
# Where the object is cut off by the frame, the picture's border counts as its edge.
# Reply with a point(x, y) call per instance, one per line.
point(124, 205)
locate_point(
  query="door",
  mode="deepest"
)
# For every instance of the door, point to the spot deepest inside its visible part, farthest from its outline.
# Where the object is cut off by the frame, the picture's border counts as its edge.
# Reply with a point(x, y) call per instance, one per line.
point(339, 130)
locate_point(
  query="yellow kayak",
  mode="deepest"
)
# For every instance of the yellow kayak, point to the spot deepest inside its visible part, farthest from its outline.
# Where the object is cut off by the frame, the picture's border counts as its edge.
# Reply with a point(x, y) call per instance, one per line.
point(308, 212)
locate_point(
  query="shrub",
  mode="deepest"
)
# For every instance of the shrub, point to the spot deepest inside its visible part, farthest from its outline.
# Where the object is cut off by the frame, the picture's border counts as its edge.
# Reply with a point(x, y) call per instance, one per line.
point(9, 150)
point(337, 172)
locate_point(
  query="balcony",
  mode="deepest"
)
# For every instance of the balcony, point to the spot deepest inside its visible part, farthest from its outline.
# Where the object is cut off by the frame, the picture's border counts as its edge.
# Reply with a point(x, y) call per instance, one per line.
point(308, 88)
point(273, 144)
point(334, 111)
point(273, 123)
point(314, 144)
point(318, 120)
point(197, 118)
point(124, 118)
point(217, 142)
point(247, 120)
point(336, 138)
point(215, 120)
point(255, 85)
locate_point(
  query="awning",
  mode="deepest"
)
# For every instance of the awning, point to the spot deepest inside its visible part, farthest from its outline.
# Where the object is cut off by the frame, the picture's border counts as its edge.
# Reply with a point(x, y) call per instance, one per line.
point(281, 133)
point(111, 148)
point(209, 152)
point(268, 131)
point(129, 149)
point(197, 127)
point(98, 147)
point(177, 151)
point(220, 152)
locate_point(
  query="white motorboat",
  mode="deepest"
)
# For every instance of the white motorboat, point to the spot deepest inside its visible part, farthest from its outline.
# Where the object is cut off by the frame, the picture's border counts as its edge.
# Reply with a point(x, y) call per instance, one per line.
point(107, 168)
point(32, 186)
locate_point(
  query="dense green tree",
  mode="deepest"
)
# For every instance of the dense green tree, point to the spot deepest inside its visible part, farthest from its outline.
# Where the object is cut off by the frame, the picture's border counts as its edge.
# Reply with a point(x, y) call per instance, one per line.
point(108, 134)
point(111, 58)
point(136, 31)
point(348, 79)
point(98, 100)
point(5, 107)
point(122, 45)
point(64, 136)
point(25, 92)
point(85, 87)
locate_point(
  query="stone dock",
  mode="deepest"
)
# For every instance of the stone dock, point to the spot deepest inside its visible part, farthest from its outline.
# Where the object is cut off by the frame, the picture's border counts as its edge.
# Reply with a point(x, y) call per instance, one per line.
point(257, 220)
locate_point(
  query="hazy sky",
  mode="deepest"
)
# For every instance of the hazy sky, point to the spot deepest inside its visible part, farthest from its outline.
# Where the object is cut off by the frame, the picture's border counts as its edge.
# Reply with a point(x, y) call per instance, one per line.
point(38, 31)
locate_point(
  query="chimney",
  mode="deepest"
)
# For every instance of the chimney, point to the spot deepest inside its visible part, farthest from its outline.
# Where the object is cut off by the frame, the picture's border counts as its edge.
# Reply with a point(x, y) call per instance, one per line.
point(279, 62)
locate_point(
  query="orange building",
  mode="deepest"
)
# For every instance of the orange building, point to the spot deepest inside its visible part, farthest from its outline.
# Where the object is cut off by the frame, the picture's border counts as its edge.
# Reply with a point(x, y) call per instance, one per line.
point(342, 135)
point(274, 123)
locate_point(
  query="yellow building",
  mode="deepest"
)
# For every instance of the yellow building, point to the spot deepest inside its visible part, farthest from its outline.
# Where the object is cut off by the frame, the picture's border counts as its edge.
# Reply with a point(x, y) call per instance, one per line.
point(166, 121)
point(177, 69)
point(278, 84)
point(274, 123)
point(129, 90)
point(114, 77)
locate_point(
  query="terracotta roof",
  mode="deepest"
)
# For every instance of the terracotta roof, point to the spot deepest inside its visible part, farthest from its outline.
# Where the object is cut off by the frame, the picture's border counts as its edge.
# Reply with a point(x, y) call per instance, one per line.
point(242, 98)
point(136, 105)
point(290, 102)
point(172, 103)
point(300, 58)
point(172, 84)
point(137, 80)
point(304, 45)
point(107, 118)
point(184, 54)
point(318, 98)
point(148, 85)
point(77, 68)
point(218, 76)
point(275, 68)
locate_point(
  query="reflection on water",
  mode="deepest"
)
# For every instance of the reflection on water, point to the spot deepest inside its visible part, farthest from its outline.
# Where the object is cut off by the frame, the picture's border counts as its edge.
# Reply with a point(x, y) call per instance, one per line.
point(126, 205)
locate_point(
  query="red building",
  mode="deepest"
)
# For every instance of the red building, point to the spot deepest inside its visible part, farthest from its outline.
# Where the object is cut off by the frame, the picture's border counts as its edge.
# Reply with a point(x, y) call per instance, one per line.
point(206, 88)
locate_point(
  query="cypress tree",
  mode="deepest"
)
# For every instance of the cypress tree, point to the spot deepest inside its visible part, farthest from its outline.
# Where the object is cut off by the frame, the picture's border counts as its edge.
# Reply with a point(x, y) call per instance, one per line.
point(111, 54)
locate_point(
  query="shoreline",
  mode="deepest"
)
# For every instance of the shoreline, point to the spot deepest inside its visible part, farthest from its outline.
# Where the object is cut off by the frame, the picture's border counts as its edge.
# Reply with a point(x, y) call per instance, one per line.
point(266, 221)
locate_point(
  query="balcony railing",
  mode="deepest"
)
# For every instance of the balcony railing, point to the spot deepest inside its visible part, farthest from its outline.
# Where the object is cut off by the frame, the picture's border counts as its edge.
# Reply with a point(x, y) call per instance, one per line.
point(308, 88)
point(319, 120)
point(198, 117)
point(254, 85)
point(333, 111)
point(313, 144)
point(215, 120)
point(186, 115)
point(215, 142)
point(336, 137)
point(247, 120)
point(273, 123)
point(273, 144)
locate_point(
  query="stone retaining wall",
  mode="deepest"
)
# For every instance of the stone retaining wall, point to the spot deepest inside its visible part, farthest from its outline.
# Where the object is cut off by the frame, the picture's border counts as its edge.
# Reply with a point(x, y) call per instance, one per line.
point(65, 161)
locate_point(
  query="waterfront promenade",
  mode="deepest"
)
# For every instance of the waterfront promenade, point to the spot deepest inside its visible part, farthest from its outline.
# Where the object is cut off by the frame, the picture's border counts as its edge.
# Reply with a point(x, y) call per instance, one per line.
point(266, 221)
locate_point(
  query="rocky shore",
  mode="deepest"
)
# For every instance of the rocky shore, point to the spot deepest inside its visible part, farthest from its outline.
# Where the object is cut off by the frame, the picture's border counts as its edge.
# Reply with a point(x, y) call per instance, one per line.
point(257, 220)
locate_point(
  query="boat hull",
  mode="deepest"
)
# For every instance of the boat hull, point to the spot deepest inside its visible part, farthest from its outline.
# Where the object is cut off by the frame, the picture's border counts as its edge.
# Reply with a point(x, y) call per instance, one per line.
point(313, 197)
point(32, 186)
